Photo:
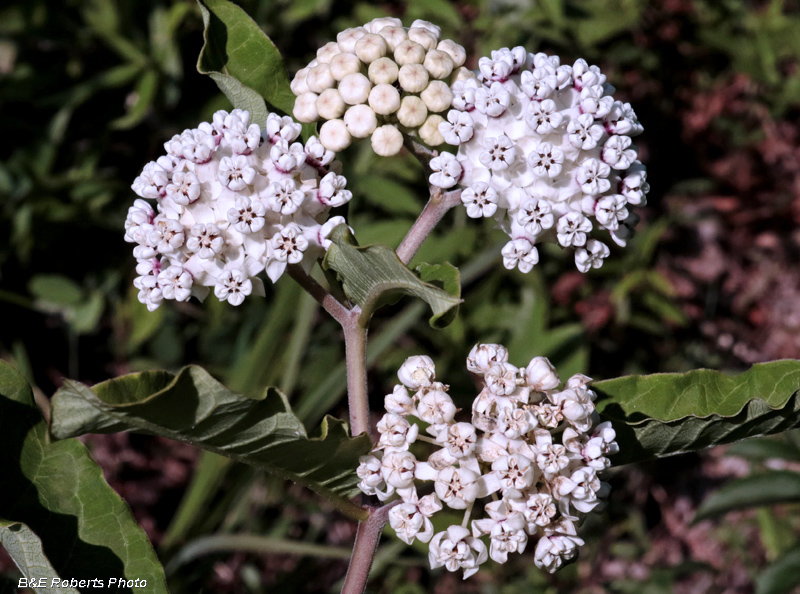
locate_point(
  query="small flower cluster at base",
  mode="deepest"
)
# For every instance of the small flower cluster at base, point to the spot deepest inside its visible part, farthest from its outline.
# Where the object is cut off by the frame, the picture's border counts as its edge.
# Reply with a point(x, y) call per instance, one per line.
point(378, 80)
point(231, 202)
point(533, 445)
point(546, 151)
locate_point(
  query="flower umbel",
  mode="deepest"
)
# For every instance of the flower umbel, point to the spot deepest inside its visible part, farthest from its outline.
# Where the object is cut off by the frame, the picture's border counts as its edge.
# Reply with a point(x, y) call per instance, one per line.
point(533, 445)
point(232, 201)
point(545, 150)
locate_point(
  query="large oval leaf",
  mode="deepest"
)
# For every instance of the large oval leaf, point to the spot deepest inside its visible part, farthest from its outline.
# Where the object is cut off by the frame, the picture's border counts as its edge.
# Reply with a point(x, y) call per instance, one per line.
point(54, 496)
point(26, 550)
point(194, 408)
point(242, 60)
point(373, 275)
point(783, 576)
point(670, 413)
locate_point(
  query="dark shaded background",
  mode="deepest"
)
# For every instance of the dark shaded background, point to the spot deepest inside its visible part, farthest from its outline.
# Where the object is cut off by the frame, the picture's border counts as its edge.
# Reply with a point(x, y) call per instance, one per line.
point(90, 90)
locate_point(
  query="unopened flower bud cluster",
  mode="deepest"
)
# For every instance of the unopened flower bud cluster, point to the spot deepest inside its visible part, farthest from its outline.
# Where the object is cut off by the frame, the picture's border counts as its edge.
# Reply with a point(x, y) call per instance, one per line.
point(545, 150)
point(231, 202)
point(377, 80)
point(532, 452)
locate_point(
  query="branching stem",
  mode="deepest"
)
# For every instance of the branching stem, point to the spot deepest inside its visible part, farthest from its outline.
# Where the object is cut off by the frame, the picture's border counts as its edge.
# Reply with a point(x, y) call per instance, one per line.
point(439, 203)
point(367, 539)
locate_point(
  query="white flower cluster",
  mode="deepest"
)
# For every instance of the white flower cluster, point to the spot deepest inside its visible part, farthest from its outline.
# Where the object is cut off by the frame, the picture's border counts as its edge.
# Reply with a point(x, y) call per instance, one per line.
point(546, 150)
point(533, 446)
point(232, 201)
point(375, 78)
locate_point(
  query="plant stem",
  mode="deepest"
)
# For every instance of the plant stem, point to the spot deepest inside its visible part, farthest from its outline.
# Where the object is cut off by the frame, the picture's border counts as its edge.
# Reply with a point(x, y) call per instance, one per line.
point(355, 349)
point(439, 203)
point(338, 311)
point(367, 538)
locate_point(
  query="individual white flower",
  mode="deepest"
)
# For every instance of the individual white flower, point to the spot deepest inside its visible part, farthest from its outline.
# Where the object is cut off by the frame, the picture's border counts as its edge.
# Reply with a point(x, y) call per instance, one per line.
point(369, 471)
point(397, 468)
point(551, 457)
point(455, 549)
point(535, 216)
point(417, 371)
point(520, 253)
point(540, 509)
point(514, 472)
point(534, 128)
point(515, 422)
point(435, 406)
point(610, 211)
point(541, 375)
point(175, 283)
point(506, 527)
point(399, 402)
point(205, 240)
point(559, 544)
point(150, 293)
point(458, 128)
point(572, 229)
point(233, 286)
point(592, 256)
point(501, 378)
point(332, 190)
point(184, 187)
point(396, 432)
point(411, 520)
point(459, 439)
point(483, 356)
point(247, 216)
point(167, 236)
point(446, 171)
point(284, 197)
point(457, 487)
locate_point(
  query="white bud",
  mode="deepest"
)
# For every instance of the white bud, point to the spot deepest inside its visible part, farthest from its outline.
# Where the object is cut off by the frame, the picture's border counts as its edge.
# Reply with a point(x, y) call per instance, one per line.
point(387, 141)
point(462, 74)
point(384, 99)
point(343, 64)
point(383, 71)
point(360, 121)
point(417, 371)
point(299, 84)
point(541, 375)
point(305, 108)
point(371, 47)
point(334, 135)
point(421, 24)
point(347, 39)
point(330, 104)
point(354, 88)
point(413, 78)
point(394, 36)
point(412, 112)
point(455, 51)
point(376, 25)
point(438, 63)
point(409, 52)
point(427, 39)
point(327, 52)
point(429, 131)
point(320, 78)
point(437, 96)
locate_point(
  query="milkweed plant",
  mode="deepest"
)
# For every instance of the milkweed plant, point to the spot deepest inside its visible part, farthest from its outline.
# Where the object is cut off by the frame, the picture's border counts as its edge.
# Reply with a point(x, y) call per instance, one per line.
point(538, 146)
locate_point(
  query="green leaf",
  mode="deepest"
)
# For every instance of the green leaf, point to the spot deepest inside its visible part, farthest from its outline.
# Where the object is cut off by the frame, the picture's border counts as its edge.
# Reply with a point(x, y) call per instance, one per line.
point(372, 275)
point(767, 488)
point(55, 289)
point(671, 413)
point(194, 408)
point(242, 60)
point(764, 449)
point(26, 550)
point(781, 577)
point(59, 494)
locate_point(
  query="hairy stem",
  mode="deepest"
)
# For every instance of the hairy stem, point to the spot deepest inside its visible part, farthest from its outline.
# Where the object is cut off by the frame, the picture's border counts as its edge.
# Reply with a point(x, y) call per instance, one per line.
point(367, 538)
point(439, 203)
point(337, 311)
point(355, 348)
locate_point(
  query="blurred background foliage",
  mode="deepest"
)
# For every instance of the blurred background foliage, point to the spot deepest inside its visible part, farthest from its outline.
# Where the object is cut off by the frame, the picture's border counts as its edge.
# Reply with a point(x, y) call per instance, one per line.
point(90, 90)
